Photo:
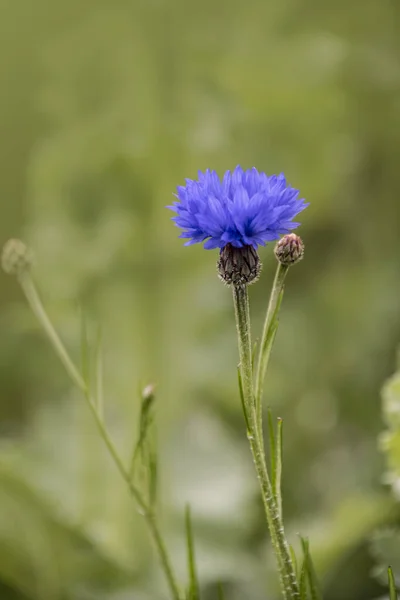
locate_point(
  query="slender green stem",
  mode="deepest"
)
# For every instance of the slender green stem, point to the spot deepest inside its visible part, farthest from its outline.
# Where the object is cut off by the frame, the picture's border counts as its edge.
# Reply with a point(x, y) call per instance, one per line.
point(280, 545)
point(37, 307)
point(268, 335)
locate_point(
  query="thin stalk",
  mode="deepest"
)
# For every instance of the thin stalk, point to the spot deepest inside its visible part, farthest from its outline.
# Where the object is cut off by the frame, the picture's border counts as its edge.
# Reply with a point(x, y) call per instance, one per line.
point(268, 335)
point(281, 547)
point(38, 309)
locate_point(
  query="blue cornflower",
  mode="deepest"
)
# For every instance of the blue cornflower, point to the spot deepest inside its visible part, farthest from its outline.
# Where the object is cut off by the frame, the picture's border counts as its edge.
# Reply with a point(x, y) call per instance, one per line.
point(246, 208)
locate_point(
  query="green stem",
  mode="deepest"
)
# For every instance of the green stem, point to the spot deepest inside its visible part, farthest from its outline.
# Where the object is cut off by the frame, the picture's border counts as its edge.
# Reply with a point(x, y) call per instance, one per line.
point(267, 337)
point(280, 545)
point(37, 307)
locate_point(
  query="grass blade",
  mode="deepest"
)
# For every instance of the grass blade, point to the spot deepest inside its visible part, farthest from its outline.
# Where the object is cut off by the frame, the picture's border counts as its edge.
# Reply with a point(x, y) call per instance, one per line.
point(193, 591)
point(392, 585)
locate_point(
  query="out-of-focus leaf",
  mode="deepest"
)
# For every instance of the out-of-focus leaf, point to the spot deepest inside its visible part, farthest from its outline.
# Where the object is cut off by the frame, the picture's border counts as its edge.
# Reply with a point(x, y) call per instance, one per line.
point(385, 549)
point(99, 372)
point(193, 589)
point(70, 467)
point(392, 585)
point(389, 440)
point(85, 352)
point(144, 463)
point(330, 541)
point(43, 555)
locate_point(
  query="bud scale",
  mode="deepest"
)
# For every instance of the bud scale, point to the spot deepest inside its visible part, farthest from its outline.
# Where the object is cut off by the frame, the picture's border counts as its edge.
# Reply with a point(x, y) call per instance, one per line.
point(238, 266)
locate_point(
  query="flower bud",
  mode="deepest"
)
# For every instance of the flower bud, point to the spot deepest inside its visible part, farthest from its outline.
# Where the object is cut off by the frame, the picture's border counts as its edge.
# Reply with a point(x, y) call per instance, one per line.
point(289, 249)
point(238, 266)
point(148, 391)
point(16, 257)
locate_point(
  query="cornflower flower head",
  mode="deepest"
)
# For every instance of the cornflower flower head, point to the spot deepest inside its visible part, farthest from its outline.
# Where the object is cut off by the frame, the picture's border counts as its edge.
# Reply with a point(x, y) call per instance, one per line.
point(246, 208)
point(236, 214)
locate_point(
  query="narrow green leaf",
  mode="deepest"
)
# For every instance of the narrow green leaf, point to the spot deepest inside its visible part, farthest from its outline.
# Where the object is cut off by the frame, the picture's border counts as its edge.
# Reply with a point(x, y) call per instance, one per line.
point(98, 359)
point(272, 450)
point(311, 574)
point(392, 585)
point(193, 591)
point(242, 398)
point(153, 479)
point(145, 422)
point(278, 465)
point(264, 355)
point(273, 327)
point(303, 580)
point(294, 560)
point(253, 356)
point(221, 595)
point(85, 352)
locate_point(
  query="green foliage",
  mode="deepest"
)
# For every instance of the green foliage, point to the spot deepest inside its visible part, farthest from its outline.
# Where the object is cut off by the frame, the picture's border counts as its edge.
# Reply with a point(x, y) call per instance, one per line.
point(221, 595)
point(392, 585)
point(143, 466)
point(275, 437)
point(385, 545)
point(385, 549)
point(390, 438)
point(44, 555)
point(108, 107)
point(193, 587)
point(308, 574)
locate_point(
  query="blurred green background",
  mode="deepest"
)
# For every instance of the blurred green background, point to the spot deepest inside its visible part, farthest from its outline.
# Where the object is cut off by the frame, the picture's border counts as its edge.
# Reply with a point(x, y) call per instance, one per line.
point(105, 108)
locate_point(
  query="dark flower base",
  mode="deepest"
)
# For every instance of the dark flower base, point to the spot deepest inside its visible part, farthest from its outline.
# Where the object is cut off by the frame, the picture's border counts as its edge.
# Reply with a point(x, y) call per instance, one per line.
point(238, 266)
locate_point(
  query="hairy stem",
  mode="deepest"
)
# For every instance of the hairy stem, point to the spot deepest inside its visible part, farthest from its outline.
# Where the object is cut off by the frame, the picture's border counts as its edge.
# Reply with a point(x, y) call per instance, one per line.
point(39, 311)
point(275, 525)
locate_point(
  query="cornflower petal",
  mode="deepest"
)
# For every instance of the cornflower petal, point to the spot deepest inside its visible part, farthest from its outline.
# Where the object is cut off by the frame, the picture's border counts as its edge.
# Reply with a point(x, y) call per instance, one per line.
point(246, 208)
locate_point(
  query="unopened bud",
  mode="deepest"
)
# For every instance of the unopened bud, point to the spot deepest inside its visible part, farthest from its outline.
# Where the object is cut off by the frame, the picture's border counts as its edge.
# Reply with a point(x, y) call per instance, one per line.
point(148, 391)
point(289, 250)
point(148, 398)
point(238, 266)
point(16, 257)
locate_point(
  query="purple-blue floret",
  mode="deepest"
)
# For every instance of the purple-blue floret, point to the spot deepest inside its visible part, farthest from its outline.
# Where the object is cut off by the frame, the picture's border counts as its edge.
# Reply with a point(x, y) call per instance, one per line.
point(246, 208)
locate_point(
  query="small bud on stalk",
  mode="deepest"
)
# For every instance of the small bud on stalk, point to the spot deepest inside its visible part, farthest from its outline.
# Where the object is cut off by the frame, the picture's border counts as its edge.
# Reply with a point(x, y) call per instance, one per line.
point(289, 250)
point(16, 258)
point(148, 391)
point(238, 266)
